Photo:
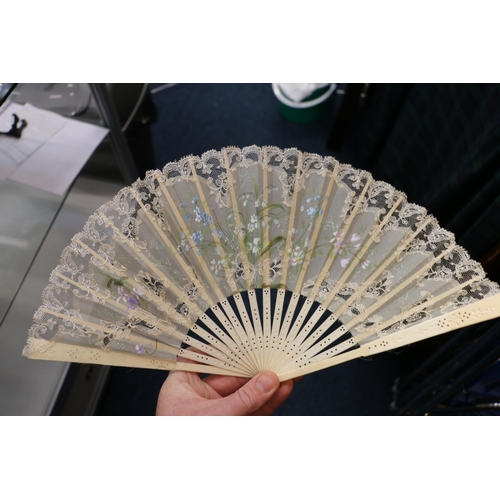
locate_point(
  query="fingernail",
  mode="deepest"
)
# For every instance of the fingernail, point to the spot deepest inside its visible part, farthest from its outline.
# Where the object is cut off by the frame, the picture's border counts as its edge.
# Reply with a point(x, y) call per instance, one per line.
point(265, 383)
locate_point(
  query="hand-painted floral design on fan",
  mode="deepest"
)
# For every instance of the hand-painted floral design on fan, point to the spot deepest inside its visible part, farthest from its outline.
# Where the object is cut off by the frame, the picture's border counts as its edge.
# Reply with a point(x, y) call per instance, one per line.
point(258, 258)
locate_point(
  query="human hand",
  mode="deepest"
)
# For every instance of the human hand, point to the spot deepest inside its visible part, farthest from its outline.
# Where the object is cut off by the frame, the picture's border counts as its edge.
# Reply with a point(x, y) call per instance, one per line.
point(185, 393)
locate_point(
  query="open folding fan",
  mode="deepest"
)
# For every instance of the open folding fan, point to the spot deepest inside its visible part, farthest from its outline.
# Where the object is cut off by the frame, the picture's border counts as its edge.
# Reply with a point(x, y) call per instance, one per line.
point(253, 259)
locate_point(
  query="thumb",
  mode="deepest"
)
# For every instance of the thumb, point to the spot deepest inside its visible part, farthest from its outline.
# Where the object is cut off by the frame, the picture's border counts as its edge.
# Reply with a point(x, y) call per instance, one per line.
point(252, 396)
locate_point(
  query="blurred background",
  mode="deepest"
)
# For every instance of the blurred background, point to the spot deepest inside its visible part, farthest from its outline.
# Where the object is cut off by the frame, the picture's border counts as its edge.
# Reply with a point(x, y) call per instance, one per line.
point(439, 143)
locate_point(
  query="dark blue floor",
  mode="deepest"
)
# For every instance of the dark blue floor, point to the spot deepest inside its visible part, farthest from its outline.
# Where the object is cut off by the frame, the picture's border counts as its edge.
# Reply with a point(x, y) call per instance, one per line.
point(194, 118)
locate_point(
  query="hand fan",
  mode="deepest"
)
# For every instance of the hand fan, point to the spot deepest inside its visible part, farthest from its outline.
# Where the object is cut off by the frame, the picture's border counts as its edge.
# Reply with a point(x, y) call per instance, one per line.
point(251, 259)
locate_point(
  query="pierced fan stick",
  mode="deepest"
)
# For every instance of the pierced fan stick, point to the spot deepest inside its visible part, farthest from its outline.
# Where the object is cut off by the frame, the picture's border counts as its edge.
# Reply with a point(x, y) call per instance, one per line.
point(211, 357)
point(278, 309)
point(291, 309)
point(77, 354)
point(212, 225)
point(332, 254)
point(285, 329)
point(311, 349)
point(234, 202)
point(221, 342)
point(236, 344)
point(275, 331)
point(330, 259)
point(265, 329)
point(265, 223)
point(227, 345)
point(298, 339)
point(291, 220)
point(266, 316)
point(317, 354)
point(301, 342)
point(276, 322)
point(252, 342)
point(233, 318)
point(211, 361)
point(211, 370)
point(318, 222)
point(233, 326)
point(285, 338)
point(330, 353)
point(482, 310)
point(215, 349)
point(257, 333)
point(305, 347)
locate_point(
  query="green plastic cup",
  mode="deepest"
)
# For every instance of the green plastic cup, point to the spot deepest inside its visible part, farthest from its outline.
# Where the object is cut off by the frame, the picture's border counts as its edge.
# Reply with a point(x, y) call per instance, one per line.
point(308, 110)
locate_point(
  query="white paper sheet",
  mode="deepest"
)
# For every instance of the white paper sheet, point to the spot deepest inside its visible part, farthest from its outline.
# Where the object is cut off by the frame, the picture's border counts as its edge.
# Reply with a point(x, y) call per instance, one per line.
point(41, 127)
point(54, 163)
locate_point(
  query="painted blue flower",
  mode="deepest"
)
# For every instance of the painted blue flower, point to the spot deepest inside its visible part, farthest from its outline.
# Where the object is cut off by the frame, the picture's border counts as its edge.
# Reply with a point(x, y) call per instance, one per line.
point(196, 199)
point(312, 211)
point(202, 216)
point(184, 243)
point(132, 302)
point(198, 214)
point(197, 237)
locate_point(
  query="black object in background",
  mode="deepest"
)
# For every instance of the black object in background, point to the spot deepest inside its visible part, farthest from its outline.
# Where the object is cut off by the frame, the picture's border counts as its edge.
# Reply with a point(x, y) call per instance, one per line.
point(5, 91)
